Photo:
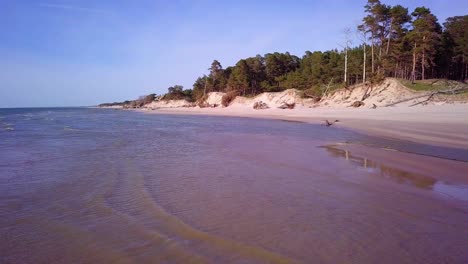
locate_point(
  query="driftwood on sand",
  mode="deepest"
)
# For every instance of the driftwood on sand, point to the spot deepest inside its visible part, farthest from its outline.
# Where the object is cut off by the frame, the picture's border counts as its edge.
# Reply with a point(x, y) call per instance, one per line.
point(287, 106)
point(260, 105)
point(367, 93)
point(328, 123)
point(357, 104)
point(314, 97)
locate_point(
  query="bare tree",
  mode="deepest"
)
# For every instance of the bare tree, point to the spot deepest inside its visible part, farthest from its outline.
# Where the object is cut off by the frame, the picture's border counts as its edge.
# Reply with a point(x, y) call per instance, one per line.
point(362, 36)
point(347, 43)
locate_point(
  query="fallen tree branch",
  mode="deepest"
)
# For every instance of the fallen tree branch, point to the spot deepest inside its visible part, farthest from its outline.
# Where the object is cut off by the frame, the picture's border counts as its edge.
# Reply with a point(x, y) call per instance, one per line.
point(429, 98)
point(328, 86)
point(406, 100)
point(313, 97)
point(367, 92)
point(328, 123)
point(430, 95)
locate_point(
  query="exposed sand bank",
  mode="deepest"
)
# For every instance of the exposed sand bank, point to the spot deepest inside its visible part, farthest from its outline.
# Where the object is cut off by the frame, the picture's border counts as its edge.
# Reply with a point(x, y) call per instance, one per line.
point(443, 125)
point(442, 121)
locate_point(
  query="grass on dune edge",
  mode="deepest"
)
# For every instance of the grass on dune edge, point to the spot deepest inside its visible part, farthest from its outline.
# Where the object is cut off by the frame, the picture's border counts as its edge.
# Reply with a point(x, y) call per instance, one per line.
point(431, 84)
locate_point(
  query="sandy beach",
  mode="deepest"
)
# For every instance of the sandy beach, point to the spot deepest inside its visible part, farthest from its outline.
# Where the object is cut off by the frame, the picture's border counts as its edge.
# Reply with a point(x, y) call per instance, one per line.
point(389, 109)
point(441, 125)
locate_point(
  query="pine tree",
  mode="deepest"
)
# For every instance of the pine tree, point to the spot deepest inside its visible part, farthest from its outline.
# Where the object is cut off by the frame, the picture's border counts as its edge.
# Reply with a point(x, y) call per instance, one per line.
point(425, 36)
point(456, 46)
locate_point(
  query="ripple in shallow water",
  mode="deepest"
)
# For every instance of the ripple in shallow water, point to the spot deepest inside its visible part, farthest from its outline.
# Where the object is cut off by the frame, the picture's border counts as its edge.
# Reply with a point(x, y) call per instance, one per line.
point(133, 188)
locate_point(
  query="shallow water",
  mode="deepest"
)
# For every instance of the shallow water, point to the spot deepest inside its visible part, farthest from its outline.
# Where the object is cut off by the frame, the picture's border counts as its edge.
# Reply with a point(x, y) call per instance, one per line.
point(105, 186)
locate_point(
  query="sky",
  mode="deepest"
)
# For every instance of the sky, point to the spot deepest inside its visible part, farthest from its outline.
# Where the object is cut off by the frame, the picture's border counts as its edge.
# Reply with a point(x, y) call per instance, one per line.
point(81, 53)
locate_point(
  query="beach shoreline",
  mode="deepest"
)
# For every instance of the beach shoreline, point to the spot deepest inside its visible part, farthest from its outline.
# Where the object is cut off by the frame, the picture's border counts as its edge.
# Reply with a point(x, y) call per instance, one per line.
point(441, 125)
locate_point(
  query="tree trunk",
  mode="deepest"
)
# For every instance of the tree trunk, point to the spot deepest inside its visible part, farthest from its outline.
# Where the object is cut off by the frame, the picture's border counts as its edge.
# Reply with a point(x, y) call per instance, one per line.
point(380, 56)
point(423, 57)
point(388, 40)
point(413, 73)
point(465, 72)
point(204, 90)
point(346, 66)
point(364, 66)
point(372, 57)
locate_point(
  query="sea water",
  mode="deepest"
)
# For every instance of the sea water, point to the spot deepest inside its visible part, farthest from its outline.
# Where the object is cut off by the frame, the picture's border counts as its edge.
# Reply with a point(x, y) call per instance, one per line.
point(83, 185)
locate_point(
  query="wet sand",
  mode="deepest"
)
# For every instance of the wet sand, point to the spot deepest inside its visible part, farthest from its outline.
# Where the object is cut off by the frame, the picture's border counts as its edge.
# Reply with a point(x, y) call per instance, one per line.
point(103, 186)
point(443, 125)
point(345, 204)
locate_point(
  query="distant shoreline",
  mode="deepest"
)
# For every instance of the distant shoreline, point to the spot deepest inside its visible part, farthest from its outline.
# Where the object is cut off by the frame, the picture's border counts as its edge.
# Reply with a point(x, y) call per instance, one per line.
point(387, 110)
point(442, 125)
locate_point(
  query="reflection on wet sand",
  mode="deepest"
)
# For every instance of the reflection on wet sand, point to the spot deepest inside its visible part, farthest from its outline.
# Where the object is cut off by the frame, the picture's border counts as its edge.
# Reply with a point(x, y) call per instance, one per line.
point(98, 186)
point(399, 175)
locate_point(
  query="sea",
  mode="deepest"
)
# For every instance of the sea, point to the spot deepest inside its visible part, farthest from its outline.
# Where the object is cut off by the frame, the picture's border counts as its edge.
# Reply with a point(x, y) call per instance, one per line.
point(91, 185)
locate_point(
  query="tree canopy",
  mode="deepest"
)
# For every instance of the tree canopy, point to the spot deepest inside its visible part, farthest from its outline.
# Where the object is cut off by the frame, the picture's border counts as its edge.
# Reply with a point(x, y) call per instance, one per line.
point(391, 41)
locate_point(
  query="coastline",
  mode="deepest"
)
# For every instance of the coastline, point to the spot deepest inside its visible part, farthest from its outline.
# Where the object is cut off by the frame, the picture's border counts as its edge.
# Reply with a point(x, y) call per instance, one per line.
point(200, 180)
point(441, 125)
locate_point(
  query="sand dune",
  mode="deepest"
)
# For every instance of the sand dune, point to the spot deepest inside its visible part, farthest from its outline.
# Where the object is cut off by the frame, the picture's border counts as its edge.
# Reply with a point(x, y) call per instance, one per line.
point(388, 92)
point(442, 121)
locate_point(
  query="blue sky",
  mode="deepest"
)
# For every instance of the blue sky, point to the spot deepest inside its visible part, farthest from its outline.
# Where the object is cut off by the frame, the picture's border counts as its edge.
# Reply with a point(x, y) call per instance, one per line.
point(76, 53)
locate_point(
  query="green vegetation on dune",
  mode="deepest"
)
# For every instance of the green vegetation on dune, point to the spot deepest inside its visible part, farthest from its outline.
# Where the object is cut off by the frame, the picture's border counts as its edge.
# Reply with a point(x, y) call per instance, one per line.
point(422, 85)
point(143, 100)
point(431, 84)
